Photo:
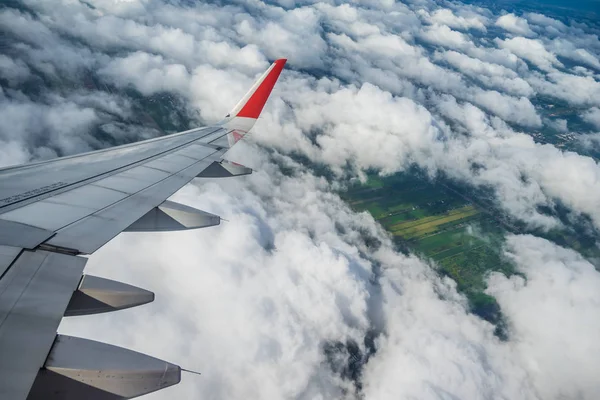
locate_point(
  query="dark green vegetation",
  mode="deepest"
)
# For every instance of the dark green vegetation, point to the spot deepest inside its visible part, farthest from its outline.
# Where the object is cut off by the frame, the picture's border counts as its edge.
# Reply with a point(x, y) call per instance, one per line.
point(434, 220)
point(460, 229)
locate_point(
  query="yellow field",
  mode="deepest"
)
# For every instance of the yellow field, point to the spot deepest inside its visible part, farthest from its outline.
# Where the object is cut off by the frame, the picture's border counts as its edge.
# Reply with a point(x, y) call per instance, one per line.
point(424, 226)
point(363, 201)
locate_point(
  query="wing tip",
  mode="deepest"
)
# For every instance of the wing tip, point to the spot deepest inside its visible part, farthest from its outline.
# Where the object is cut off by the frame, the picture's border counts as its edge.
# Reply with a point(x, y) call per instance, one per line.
point(254, 101)
point(280, 63)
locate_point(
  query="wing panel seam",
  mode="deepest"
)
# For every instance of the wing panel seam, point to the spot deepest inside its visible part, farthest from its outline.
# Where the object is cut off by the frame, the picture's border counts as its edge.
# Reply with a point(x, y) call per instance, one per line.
point(95, 213)
point(62, 189)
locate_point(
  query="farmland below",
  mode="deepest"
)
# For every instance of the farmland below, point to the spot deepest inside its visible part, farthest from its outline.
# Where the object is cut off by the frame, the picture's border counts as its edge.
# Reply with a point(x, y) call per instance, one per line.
point(435, 221)
point(459, 229)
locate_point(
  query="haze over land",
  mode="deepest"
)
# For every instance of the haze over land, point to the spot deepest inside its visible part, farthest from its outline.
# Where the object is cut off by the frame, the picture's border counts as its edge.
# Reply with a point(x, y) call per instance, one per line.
point(298, 296)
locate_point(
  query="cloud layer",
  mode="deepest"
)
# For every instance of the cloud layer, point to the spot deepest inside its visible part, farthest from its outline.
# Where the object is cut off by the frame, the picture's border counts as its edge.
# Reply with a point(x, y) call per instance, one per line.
point(254, 304)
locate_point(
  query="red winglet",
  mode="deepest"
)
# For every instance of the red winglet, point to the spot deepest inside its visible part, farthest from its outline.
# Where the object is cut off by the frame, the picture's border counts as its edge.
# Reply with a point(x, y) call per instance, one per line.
point(257, 101)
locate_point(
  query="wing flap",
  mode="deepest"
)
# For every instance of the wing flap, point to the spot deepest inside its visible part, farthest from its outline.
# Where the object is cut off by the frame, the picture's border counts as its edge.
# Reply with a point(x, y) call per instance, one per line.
point(20, 235)
point(8, 254)
point(34, 294)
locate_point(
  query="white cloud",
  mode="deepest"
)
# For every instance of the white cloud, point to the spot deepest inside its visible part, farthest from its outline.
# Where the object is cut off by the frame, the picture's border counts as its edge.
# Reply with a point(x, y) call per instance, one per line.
point(46, 129)
point(43, 49)
point(12, 153)
point(444, 36)
point(509, 157)
point(444, 16)
point(252, 302)
point(147, 73)
point(531, 50)
point(552, 316)
point(513, 109)
point(254, 319)
point(546, 22)
point(566, 48)
point(14, 71)
point(476, 66)
point(514, 24)
point(497, 56)
point(577, 90)
point(396, 127)
point(489, 74)
point(431, 349)
point(213, 84)
point(294, 35)
point(557, 124)
point(592, 116)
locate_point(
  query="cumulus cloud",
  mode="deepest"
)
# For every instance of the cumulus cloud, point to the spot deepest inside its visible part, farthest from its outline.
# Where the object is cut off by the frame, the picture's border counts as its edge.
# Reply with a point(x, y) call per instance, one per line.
point(513, 24)
point(592, 116)
point(424, 337)
point(147, 73)
point(576, 90)
point(445, 16)
point(57, 125)
point(444, 36)
point(531, 50)
point(568, 49)
point(296, 282)
point(193, 67)
point(296, 32)
point(14, 71)
point(489, 74)
point(550, 24)
point(552, 316)
point(254, 320)
point(43, 48)
point(413, 72)
point(254, 302)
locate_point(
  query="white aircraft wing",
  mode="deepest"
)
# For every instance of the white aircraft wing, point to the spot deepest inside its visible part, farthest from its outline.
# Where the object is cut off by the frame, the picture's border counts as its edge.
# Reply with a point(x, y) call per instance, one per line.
point(53, 212)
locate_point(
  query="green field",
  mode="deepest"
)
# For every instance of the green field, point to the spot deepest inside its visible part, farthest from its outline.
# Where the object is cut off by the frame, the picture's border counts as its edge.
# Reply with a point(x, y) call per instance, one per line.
point(434, 221)
point(460, 230)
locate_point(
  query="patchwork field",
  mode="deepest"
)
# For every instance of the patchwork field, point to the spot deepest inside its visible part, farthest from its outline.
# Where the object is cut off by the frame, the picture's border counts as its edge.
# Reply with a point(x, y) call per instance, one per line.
point(461, 238)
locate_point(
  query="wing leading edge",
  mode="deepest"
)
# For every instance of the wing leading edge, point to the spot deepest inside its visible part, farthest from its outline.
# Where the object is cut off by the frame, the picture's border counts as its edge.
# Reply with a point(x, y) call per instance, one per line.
point(53, 212)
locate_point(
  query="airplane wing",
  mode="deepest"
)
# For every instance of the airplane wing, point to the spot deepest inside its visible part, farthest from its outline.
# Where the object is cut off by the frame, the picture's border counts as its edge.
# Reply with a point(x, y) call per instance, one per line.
point(53, 212)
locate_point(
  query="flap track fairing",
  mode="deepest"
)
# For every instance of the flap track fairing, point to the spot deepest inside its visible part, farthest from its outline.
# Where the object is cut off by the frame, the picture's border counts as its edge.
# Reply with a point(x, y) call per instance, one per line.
point(98, 295)
point(171, 216)
point(79, 368)
point(224, 169)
